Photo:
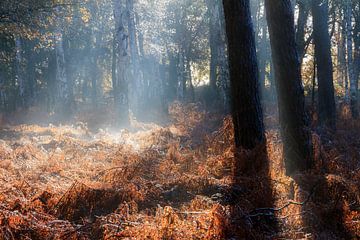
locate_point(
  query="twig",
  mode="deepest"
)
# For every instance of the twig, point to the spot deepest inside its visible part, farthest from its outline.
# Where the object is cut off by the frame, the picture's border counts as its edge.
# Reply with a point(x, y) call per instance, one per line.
point(271, 211)
point(205, 212)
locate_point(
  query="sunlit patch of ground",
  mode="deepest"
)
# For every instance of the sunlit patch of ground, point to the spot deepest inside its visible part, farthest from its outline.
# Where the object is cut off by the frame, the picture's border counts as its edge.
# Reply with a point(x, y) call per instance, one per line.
point(171, 182)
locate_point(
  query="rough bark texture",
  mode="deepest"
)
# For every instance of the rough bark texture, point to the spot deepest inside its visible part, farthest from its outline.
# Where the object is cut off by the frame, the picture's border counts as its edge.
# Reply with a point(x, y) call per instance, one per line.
point(245, 96)
point(327, 113)
point(293, 117)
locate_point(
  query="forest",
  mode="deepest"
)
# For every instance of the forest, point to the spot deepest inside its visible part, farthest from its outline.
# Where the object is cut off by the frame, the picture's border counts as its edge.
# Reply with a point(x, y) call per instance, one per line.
point(179, 119)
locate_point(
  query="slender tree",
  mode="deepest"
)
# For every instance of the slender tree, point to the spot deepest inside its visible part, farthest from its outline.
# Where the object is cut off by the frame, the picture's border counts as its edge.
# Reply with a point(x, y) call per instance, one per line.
point(293, 117)
point(304, 11)
point(350, 58)
point(122, 59)
point(63, 104)
point(356, 37)
point(19, 63)
point(214, 40)
point(327, 114)
point(245, 97)
point(136, 95)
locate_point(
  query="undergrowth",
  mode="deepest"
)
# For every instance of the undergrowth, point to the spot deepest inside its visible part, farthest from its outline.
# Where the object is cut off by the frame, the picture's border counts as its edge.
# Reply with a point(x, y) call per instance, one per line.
point(173, 182)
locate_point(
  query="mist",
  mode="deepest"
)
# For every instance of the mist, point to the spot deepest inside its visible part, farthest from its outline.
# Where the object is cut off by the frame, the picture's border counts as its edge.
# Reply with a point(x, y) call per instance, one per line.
point(179, 119)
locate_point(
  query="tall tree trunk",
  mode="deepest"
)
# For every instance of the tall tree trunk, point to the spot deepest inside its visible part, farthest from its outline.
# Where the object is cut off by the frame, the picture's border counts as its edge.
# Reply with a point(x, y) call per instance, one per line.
point(262, 53)
point(113, 65)
point(181, 90)
point(304, 11)
point(190, 80)
point(214, 39)
point(327, 111)
point(343, 65)
point(30, 72)
point(293, 118)
point(19, 64)
point(245, 96)
point(356, 37)
point(136, 83)
point(63, 105)
point(350, 59)
point(122, 60)
point(341, 54)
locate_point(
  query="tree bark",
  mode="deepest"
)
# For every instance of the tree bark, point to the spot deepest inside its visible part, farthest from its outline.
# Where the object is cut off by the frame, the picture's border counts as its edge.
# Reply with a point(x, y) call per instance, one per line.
point(245, 96)
point(327, 111)
point(293, 118)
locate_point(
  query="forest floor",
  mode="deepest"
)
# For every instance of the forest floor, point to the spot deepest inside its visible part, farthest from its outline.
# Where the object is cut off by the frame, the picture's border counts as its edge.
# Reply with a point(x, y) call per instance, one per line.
point(172, 182)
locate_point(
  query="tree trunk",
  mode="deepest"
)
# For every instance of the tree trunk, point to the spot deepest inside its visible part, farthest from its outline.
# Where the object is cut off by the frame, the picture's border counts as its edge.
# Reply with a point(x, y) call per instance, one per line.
point(30, 71)
point(350, 59)
point(190, 81)
point(19, 64)
point(262, 56)
point(293, 118)
point(343, 65)
point(181, 90)
point(304, 11)
point(136, 83)
point(63, 105)
point(245, 96)
point(356, 63)
point(327, 111)
point(122, 59)
point(214, 39)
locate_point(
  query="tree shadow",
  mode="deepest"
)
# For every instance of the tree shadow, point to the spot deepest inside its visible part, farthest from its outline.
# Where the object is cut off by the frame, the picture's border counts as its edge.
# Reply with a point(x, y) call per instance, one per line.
point(333, 194)
point(251, 192)
point(323, 215)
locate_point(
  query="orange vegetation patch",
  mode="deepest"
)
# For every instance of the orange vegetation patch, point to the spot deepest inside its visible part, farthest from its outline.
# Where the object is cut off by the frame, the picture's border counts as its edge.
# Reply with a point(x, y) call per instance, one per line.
point(172, 182)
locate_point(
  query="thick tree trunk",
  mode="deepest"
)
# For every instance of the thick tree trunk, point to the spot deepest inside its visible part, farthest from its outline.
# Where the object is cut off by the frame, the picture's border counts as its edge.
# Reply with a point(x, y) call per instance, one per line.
point(223, 80)
point(122, 63)
point(293, 118)
point(244, 81)
point(327, 111)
